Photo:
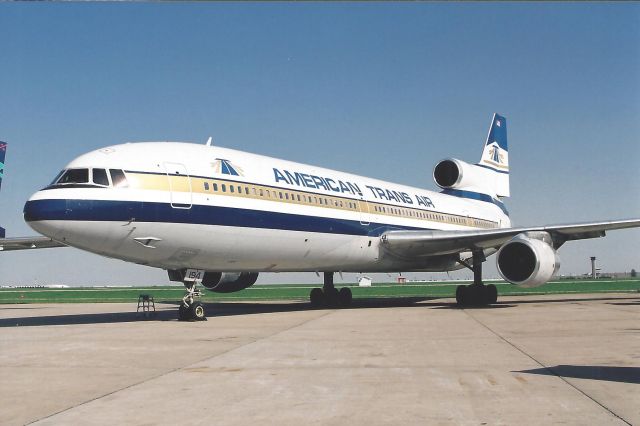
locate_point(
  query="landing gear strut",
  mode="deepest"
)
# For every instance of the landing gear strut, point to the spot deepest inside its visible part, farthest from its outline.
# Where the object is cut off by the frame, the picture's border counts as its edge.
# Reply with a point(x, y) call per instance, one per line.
point(328, 295)
point(190, 309)
point(476, 294)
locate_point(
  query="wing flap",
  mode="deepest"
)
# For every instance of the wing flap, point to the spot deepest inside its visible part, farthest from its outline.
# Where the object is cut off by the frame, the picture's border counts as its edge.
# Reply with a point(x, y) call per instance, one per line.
point(433, 243)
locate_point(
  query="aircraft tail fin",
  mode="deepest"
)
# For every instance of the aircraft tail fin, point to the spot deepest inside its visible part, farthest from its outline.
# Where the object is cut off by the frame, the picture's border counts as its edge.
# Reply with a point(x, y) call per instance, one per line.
point(3, 151)
point(495, 155)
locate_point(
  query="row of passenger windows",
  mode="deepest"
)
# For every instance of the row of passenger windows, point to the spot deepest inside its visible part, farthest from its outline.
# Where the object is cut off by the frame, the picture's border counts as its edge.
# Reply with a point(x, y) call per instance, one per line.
point(273, 194)
point(100, 177)
point(418, 214)
point(278, 195)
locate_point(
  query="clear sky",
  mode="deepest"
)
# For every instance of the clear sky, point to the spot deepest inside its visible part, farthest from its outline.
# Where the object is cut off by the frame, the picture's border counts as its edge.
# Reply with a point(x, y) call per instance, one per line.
point(378, 89)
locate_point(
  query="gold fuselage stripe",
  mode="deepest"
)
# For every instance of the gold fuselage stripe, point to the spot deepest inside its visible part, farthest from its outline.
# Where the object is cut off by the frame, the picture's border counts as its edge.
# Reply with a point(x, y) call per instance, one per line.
point(230, 188)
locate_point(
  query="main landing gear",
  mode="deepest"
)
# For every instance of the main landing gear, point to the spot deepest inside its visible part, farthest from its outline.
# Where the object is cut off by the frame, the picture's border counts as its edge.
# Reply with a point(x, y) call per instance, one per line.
point(476, 294)
point(190, 309)
point(330, 296)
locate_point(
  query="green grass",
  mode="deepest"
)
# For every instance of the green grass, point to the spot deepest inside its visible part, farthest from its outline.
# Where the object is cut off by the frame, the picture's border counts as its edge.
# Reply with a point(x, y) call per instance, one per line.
point(300, 292)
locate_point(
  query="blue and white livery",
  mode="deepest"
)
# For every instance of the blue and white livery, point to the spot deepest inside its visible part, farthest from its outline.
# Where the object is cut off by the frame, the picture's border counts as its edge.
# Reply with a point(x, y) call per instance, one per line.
point(219, 217)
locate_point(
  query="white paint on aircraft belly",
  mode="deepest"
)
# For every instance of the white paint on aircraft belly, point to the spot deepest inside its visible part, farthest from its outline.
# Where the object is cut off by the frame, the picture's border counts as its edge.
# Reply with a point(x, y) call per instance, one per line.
point(223, 248)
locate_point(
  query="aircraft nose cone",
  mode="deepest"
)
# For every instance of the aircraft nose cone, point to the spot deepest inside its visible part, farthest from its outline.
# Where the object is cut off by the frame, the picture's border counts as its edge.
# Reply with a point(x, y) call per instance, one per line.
point(36, 210)
point(45, 216)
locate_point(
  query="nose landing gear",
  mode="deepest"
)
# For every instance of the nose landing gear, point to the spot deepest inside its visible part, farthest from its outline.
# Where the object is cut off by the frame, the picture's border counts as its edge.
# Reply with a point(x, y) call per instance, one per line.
point(190, 309)
point(330, 296)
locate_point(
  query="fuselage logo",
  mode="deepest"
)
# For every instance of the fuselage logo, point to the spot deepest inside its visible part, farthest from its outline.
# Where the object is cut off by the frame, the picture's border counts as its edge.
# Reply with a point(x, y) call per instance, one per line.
point(225, 167)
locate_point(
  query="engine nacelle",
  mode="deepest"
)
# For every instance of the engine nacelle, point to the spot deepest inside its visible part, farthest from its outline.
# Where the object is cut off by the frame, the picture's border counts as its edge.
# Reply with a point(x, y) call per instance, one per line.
point(220, 282)
point(456, 174)
point(228, 282)
point(528, 260)
point(453, 173)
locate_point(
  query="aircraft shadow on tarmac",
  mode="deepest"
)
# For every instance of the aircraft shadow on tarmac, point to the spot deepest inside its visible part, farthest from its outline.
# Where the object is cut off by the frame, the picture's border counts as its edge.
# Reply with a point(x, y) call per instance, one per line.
point(219, 309)
point(215, 309)
point(593, 372)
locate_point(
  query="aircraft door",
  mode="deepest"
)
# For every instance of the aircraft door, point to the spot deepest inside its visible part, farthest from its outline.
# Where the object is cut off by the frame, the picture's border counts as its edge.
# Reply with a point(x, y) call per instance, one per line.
point(363, 207)
point(179, 185)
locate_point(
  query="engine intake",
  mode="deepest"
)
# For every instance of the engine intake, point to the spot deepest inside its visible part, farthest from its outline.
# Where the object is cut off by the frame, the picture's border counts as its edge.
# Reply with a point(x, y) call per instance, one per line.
point(528, 262)
point(448, 173)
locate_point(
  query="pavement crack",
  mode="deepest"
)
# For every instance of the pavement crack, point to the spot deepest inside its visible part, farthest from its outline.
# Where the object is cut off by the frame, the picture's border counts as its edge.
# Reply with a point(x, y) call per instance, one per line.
point(550, 370)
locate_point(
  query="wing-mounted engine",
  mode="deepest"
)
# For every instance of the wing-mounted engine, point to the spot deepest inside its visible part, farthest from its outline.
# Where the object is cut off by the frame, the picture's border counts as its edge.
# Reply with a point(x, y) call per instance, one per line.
point(528, 259)
point(220, 282)
point(228, 282)
point(452, 173)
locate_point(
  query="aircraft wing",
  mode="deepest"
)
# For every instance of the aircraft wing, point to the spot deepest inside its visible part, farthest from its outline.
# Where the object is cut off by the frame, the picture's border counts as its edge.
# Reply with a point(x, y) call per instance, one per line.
point(431, 243)
point(26, 243)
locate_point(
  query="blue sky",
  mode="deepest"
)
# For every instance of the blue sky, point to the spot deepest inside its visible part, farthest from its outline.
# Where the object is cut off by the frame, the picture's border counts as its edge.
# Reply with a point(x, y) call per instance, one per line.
point(383, 90)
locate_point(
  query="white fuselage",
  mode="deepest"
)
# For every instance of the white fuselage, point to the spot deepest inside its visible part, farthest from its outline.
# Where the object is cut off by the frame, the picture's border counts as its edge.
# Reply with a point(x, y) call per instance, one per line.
point(195, 206)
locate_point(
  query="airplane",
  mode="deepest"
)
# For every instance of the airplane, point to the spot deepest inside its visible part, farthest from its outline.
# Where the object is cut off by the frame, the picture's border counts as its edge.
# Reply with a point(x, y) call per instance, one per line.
point(218, 217)
point(3, 152)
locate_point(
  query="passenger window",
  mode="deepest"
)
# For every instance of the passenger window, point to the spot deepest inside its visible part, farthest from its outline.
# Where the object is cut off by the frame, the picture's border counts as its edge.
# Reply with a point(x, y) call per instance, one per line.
point(74, 176)
point(231, 188)
point(118, 178)
point(224, 188)
point(261, 192)
point(100, 177)
point(246, 190)
point(215, 187)
point(206, 186)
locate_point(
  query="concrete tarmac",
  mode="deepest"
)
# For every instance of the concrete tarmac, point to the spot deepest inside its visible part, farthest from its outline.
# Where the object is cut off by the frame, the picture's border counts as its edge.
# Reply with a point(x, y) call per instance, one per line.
point(528, 360)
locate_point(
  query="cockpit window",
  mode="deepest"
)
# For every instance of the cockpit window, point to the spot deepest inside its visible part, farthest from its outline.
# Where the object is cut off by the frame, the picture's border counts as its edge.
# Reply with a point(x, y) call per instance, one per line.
point(55, 179)
point(100, 177)
point(74, 176)
point(118, 178)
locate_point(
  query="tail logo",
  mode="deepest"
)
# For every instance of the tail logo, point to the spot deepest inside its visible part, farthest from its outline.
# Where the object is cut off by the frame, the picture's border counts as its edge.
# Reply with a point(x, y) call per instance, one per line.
point(494, 152)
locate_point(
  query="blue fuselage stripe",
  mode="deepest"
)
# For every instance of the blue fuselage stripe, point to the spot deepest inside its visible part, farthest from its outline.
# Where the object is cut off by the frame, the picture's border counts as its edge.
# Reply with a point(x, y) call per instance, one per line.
point(476, 196)
point(141, 211)
point(505, 172)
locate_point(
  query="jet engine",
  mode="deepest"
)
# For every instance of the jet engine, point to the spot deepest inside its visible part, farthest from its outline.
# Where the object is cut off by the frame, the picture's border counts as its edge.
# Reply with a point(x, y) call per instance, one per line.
point(220, 282)
point(528, 260)
point(228, 282)
point(453, 174)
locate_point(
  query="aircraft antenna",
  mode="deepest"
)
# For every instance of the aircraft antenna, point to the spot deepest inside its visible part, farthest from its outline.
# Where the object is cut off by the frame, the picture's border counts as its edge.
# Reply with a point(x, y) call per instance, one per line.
point(209, 141)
